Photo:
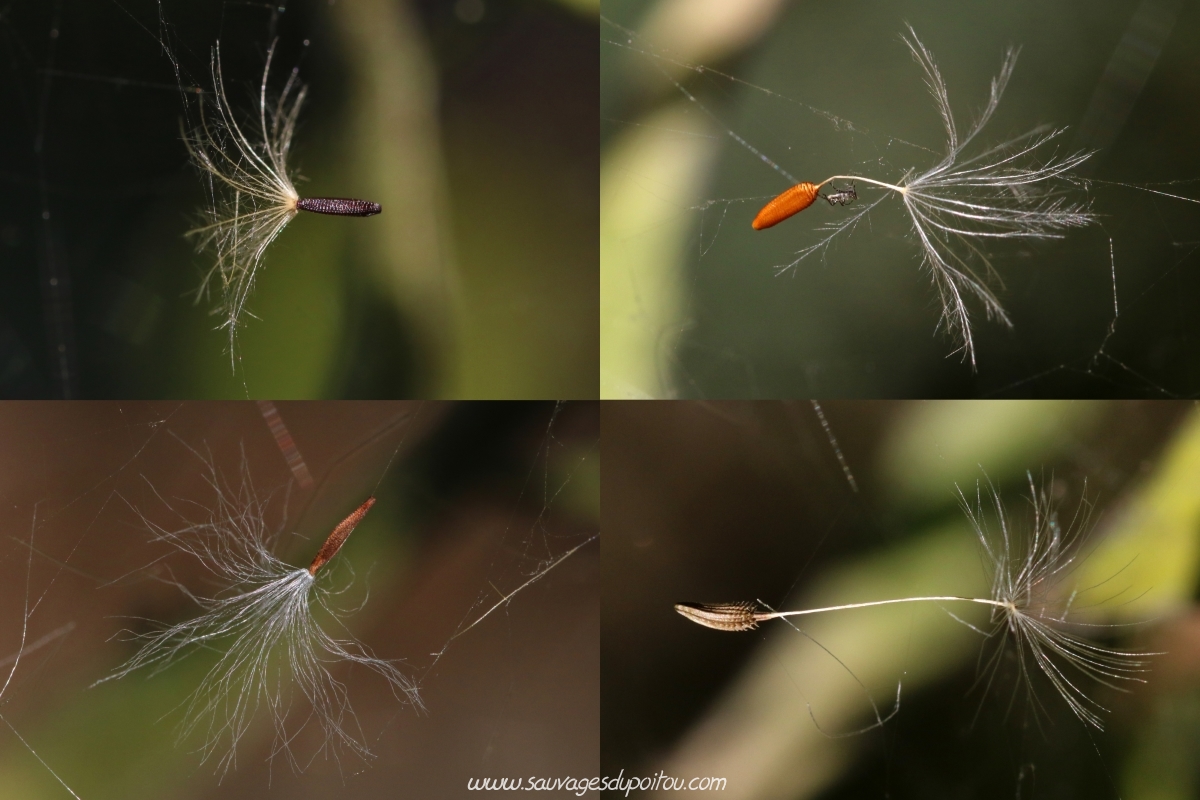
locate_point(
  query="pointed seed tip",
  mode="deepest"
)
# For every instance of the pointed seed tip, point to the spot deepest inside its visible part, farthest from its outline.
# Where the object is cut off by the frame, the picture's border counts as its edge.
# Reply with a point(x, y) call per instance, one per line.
point(339, 535)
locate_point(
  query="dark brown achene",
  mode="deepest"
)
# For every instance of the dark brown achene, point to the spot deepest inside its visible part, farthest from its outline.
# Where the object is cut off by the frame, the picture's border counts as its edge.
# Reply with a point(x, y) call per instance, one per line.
point(339, 536)
point(340, 206)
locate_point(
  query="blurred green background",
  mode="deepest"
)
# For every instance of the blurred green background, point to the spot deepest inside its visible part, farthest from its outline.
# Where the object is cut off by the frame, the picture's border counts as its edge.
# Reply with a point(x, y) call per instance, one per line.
point(472, 499)
point(690, 305)
point(471, 121)
point(717, 502)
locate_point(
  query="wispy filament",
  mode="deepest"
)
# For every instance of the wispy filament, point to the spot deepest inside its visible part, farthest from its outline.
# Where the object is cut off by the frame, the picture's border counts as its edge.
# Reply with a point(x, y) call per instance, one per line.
point(273, 655)
point(253, 196)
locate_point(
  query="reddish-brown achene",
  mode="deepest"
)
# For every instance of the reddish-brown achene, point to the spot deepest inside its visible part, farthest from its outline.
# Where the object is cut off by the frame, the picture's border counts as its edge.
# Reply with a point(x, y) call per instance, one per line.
point(793, 201)
point(339, 536)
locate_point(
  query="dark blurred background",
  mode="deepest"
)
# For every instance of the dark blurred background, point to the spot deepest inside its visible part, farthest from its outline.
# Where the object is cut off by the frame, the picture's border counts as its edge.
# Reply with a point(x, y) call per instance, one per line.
point(718, 502)
point(477, 499)
point(692, 307)
point(471, 121)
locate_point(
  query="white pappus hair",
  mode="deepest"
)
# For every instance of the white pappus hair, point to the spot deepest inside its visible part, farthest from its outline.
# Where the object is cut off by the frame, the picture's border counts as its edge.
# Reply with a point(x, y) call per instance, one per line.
point(274, 656)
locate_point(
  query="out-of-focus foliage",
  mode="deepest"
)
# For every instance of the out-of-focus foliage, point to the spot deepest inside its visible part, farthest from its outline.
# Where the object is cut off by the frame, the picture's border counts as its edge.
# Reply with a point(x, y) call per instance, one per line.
point(1153, 536)
point(944, 443)
point(640, 272)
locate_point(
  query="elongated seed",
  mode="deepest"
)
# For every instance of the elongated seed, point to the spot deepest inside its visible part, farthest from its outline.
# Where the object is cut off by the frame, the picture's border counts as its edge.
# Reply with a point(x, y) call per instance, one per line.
point(339, 536)
point(743, 616)
point(790, 202)
point(341, 206)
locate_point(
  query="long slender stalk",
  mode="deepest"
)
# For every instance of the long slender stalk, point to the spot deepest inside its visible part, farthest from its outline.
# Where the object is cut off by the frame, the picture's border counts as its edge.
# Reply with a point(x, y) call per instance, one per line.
point(857, 178)
point(746, 616)
point(775, 614)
